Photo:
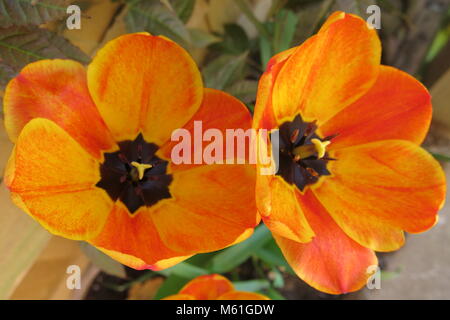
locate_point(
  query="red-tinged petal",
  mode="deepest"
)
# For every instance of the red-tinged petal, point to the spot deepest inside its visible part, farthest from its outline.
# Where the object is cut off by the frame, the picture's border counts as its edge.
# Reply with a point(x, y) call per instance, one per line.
point(150, 81)
point(179, 297)
point(53, 179)
point(263, 116)
point(328, 71)
point(396, 107)
point(56, 90)
point(208, 287)
point(214, 207)
point(279, 209)
point(242, 295)
point(335, 16)
point(378, 189)
point(331, 262)
point(139, 264)
point(134, 240)
point(220, 112)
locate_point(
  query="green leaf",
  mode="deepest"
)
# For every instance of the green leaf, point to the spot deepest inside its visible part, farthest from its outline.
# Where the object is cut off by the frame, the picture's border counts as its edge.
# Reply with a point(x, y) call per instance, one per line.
point(230, 258)
point(284, 30)
point(183, 8)
point(244, 90)
point(103, 261)
point(272, 256)
point(274, 294)
point(22, 45)
point(440, 157)
point(224, 71)
point(251, 285)
point(31, 12)
point(154, 17)
point(235, 40)
point(265, 51)
point(184, 270)
point(170, 286)
point(202, 39)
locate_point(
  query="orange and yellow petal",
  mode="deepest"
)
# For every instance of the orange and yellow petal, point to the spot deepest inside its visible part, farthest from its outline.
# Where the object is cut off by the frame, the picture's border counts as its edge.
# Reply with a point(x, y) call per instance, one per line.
point(56, 90)
point(396, 107)
point(328, 71)
point(279, 209)
point(263, 116)
point(150, 81)
point(381, 188)
point(332, 262)
point(213, 207)
point(134, 240)
point(242, 295)
point(207, 287)
point(221, 113)
point(53, 178)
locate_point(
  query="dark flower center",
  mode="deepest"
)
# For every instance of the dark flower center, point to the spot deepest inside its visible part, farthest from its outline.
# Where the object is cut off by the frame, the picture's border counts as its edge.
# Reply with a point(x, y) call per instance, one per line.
point(303, 157)
point(135, 175)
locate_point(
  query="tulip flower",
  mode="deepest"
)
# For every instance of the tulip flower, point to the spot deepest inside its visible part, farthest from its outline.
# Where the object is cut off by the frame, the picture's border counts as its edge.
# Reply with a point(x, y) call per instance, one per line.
point(92, 156)
point(213, 287)
point(352, 177)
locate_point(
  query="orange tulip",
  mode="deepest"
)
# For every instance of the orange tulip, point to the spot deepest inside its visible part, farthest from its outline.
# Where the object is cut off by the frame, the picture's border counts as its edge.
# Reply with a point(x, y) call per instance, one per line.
point(352, 177)
point(213, 287)
point(92, 154)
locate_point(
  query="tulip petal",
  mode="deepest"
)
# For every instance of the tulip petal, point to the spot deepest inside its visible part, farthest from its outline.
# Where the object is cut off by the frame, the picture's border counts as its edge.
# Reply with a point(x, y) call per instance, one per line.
point(396, 107)
point(331, 262)
point(53, 178)
point(150, 81)
point(279, 209)
point(219, 111)
point(263, 116)
point(134, 240)
point(139, 264)
point(213, 208)
point(56, 90)
point(328, 71)
point(242, 295)
point(380, 188)
point(207, 287)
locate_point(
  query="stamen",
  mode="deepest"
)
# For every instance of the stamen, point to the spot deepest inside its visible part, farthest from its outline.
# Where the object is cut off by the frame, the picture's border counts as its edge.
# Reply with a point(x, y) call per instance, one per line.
point(141, 167)
point(321, 147)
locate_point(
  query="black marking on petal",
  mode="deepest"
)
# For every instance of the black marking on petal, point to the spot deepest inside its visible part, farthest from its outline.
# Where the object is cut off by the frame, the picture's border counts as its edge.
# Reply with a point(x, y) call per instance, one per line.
point(293, 169)
point(119, 177)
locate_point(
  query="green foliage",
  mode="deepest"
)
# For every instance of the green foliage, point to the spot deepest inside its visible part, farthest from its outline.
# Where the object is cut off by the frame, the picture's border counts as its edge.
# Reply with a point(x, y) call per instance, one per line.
point(252, 285)
point(284, 30)
point(232, 257)
point(244, 90)
point(156, 18)
point(183, 8)
point(171, 285)
point(225, 70)
point(31, 12)
point(234, 40)
point(22, 45)
point(441, 157)
point(202, 39)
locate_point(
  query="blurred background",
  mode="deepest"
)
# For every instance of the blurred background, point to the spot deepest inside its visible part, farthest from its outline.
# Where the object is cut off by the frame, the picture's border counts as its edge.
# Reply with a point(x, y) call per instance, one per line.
point(231, 40)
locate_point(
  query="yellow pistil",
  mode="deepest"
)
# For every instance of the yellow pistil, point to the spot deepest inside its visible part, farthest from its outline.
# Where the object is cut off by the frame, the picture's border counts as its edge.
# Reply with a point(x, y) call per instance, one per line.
point(305, 151)
point(141, 167)
point(321, 147)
